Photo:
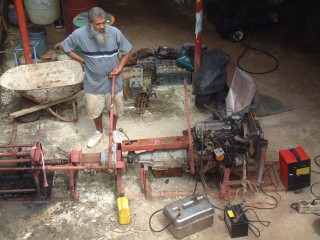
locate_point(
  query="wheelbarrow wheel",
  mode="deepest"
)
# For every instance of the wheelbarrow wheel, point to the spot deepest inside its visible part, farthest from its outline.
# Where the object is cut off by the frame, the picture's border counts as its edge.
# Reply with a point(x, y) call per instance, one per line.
point(21, 103)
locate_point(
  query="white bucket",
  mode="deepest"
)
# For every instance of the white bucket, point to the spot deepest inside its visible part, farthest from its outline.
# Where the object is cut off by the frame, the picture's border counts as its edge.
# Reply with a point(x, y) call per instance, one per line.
point(43, 12)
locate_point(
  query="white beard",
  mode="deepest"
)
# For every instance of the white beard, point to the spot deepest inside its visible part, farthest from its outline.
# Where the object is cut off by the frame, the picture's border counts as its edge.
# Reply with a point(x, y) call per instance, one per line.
point(101, 38)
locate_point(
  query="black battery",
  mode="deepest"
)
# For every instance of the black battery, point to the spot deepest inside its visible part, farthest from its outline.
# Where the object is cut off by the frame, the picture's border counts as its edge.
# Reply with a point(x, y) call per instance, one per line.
point(236, 221)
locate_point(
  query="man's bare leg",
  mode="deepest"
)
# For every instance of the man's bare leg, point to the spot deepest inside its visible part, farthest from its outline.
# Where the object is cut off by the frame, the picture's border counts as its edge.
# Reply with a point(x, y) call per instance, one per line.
point(98, 123)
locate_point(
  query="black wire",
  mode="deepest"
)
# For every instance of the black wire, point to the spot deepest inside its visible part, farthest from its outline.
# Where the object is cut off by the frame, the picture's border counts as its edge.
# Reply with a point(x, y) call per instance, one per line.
point(294, 206)
point(255, 234)
point(263, 223)
point(195, 187)
point(259, 50)
point(256, 49)
point(311, 189)
point(315, 160)
point(162, 228)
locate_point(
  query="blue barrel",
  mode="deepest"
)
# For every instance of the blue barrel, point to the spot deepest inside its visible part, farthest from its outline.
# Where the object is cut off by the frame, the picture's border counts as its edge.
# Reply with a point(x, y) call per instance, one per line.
point(38, 35)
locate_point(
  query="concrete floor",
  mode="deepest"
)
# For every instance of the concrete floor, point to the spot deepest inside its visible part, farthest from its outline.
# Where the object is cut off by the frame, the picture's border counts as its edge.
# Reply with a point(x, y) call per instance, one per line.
point(164, 23)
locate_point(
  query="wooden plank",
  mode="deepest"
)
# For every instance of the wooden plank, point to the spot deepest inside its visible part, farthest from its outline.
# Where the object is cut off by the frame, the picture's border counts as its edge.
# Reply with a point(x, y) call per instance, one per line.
point(39, 107)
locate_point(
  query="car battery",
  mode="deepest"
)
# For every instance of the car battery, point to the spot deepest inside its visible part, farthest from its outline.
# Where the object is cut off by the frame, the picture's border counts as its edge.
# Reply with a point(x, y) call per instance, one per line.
point(188, 215)
point(236, 221)
point(295, 168)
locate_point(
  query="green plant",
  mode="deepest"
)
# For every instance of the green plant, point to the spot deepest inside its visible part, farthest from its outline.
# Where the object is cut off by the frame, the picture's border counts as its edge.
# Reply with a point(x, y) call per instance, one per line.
point(150, 177)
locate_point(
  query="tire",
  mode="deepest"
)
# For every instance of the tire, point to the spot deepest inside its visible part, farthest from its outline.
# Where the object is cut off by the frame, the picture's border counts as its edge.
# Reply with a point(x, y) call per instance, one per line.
point(236, 35)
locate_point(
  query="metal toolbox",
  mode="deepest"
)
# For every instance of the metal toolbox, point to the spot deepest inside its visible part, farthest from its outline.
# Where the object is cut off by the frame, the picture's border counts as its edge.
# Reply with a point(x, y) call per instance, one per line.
point(188, 215)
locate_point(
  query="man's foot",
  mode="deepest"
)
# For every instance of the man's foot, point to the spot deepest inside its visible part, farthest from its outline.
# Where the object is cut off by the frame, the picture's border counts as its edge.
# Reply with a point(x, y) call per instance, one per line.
point(93, 141)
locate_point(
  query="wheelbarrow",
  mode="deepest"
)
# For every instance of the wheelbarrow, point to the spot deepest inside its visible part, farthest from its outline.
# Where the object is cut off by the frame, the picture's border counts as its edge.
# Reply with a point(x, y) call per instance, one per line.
point(45, 84)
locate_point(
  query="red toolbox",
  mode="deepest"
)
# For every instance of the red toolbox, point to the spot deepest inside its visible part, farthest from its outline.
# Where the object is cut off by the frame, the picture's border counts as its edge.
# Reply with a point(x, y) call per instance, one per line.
point(295, 168)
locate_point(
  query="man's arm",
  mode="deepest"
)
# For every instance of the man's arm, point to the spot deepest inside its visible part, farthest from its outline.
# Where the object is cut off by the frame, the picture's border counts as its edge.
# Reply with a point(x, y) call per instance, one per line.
point(74, 56)
point(123, 62)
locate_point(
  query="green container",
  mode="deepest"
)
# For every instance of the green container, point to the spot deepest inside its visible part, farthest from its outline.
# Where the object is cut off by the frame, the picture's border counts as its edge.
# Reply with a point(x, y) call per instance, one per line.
point(82, 19)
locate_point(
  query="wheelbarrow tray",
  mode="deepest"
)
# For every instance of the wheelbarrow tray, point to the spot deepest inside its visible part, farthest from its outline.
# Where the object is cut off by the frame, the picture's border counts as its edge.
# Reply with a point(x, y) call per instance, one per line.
point(45, 82)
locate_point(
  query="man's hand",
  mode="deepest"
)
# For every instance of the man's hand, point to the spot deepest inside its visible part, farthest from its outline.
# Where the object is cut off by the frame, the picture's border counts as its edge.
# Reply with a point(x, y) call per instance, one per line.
point(115, 72)
point(123, 61)
point(73, 55)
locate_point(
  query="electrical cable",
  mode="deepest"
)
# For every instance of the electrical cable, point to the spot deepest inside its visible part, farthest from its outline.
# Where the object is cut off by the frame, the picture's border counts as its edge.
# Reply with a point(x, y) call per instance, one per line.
point(259, 50)
point(315, 160)
point(294, 206)
point(202, 176)
point(312, 186)
point(274, 205)
point(247, 46)
point(254, 233)
point(263, 223)
point(276, 200)
point(311, 190)
point(165, 226)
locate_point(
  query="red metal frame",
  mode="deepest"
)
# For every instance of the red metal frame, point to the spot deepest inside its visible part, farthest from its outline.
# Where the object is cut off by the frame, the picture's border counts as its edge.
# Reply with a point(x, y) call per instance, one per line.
point(152, 144)
point(163, 143)
point(76, 161)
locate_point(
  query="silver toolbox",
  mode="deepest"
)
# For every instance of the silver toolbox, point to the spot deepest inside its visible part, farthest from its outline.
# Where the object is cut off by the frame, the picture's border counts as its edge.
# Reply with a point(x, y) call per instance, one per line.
point(188, 215)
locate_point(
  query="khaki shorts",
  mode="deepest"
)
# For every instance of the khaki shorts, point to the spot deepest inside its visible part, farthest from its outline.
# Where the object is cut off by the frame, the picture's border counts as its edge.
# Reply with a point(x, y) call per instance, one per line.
point(97, 102)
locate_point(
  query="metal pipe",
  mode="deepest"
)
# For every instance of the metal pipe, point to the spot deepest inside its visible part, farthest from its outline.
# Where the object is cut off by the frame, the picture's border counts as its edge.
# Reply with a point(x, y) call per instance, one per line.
point(16, 145)
point(23, 31)
point(111, 119)
point(57, 162)
point(191, 150)
point(57, 168)
point(17, 190)
point(48, 162)
point(14, 161)
point(15, 154)
point(198, 32)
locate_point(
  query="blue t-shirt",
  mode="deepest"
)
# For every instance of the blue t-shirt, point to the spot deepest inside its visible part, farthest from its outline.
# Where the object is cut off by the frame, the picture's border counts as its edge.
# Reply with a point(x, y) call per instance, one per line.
point(99, 60)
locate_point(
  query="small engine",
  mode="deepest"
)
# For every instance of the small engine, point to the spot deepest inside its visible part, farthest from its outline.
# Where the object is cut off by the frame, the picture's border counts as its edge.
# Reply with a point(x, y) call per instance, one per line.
point(228, 142)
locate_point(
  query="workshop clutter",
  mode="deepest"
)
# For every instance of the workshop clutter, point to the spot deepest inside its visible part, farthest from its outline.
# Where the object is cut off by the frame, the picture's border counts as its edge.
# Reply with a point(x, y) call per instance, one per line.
point(149, 68)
